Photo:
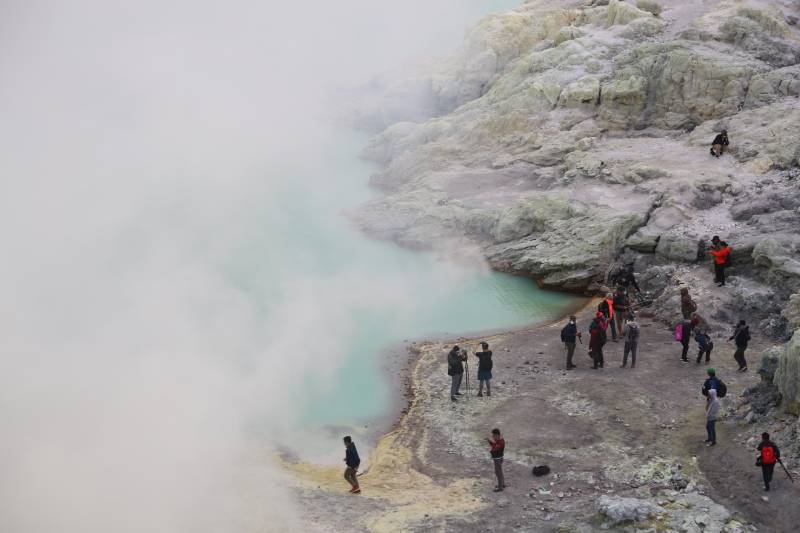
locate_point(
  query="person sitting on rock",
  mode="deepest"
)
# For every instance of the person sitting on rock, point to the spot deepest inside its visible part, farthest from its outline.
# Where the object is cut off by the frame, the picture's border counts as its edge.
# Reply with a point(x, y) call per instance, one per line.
point(720, 143)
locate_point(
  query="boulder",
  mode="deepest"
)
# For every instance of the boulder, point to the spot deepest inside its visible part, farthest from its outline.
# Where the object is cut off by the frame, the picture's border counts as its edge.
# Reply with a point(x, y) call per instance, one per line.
point(567, 33)
point(583, 93)
point(622, 101)
point(679, 248)
point(792, 312)
point(651, 6)
point(787, 376)
point(618, 510)
point(620, 13)
point(769, 363)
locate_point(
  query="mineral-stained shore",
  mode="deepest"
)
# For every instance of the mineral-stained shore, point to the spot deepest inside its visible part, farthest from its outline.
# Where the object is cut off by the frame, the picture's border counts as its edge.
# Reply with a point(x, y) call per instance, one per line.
point(566, 138)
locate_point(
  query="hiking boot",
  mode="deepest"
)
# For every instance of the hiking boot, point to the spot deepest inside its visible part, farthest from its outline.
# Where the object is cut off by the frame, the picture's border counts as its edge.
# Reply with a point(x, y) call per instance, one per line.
point(623, 366)
point(498, 489)
point(488, 394)
point(743, 369)
point(711, 444)
point(480, 395)
point(357, 491)
point(684, 360)
point(458, 394)
point(453, 399)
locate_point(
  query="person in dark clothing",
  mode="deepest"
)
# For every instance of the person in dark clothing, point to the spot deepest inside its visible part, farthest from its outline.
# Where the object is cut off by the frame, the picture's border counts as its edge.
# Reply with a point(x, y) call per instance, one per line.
point(597, 339)
point(687, 304)
point(715, 241)
point(687, 326)
point(770, 454)
point(704, 344)
point(625, 278)
point(720, 143)
point(352, 460)
point(484, 369)
point(569, 335)
point(630, 334)
point(712, 382)
point(721, 255)
point(741, 336)
point(498, 446)
point(622, 308)
point(455, 369)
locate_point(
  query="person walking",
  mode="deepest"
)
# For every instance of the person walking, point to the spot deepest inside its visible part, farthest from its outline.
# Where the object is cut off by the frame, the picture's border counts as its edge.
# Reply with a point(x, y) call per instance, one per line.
point(484, 369)
point(704, 345)
point(711, 417)
point(741, 336)
point(770, 454)
point(352, 460)
point(498, 446)
point(597, 338)
point(569, 334)
point(721, 253)
point(455, 369)
point(630, 335)
point(688, 306)
point(607, 308)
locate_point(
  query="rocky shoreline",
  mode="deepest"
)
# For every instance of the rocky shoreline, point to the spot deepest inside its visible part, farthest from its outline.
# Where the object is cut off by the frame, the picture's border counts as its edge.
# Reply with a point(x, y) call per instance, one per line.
point(566, 139)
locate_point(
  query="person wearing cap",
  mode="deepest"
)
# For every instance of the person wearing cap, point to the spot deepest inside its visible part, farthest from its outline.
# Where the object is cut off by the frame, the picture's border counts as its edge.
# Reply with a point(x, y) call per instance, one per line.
point(631, 337)
point(569, 334)
point(711, 383)
point(455, 369)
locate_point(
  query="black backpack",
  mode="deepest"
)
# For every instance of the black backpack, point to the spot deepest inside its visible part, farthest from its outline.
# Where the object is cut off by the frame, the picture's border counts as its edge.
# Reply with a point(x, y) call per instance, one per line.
point(564, 333)
point(728, 260)
point(722, 389)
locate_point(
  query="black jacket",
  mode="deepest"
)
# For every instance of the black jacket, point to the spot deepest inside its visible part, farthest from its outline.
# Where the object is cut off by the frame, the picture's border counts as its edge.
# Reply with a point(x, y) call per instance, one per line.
point(484, 360)
point(741, 336)
point(720, 139)
point(351, 457)
point(569, 333)
point(455, 365)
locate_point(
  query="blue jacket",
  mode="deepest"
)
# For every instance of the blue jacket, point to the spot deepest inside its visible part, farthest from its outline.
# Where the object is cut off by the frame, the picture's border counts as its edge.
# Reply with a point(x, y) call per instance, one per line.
point(351, 457)
point(703, 340)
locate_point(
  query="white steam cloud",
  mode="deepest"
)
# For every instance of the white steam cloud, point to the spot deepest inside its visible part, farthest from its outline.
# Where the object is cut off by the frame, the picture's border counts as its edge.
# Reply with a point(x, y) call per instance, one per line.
point(140, 142)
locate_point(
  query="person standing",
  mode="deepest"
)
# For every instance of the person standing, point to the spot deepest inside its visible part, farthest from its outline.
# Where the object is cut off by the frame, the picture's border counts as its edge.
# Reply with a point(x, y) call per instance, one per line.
point(704, 345)
point(741, 336)
point(607, 308)
point(622, 308)
point(721, 255)
point(770, 454)
point(688, 306)
point(569, 334)
point(631, 337)
point(498, 447)
point(597, 338)
point(484, 369)
point(711, 417)
point(686, 338)
point(713, 382)
point(352, 460)
point(455, 369)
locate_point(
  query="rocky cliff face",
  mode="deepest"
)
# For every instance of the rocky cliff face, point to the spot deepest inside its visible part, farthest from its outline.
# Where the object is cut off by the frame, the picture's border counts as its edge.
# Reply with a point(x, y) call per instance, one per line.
point(569, 134)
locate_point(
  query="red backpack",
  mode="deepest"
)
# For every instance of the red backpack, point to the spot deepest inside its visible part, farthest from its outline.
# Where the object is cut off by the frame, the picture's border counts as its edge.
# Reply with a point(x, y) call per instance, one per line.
point(768, 455)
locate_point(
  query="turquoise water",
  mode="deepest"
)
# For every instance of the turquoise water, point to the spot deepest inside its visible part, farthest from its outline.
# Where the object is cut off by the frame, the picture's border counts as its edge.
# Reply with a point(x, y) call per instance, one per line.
point(375, 293)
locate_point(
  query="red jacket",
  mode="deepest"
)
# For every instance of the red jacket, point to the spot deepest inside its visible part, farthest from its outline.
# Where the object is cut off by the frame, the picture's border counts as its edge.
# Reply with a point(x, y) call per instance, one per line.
point(720, 256)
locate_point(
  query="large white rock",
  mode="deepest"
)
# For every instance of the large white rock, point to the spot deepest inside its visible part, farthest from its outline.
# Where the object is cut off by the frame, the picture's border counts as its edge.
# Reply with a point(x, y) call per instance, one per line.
point(619, 510)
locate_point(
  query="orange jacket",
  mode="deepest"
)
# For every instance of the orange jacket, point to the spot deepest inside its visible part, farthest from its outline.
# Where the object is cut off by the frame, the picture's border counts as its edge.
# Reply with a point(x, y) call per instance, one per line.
point(720, 256)
point(610, 307)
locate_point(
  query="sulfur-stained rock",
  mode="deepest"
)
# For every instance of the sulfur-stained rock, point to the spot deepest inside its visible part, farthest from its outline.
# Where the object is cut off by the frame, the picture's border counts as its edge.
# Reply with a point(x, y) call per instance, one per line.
point(787, 376)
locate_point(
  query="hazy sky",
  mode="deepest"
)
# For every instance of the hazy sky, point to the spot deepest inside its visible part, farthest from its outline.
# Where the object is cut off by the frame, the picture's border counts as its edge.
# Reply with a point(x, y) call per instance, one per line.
point(134, 138)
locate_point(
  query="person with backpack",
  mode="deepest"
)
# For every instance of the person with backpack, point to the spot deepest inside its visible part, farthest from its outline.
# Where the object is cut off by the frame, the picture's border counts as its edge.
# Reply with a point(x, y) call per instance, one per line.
point(597, 339)
point(770, 454)
point(688, 306)
point(352, 460)
point(722, 260)
point(713, 382)
point(720, 143)
point(704, 344)
point(569, 333)
point(607, 308)
point(711, 417)
point(498, 447)
point(484, 369)
point(741, 336)
point(630, 334)
point(455, 369)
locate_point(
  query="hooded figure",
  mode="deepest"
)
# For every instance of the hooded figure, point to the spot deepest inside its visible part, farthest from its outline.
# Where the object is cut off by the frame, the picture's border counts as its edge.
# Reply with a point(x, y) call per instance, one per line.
point(711, 417)
point(719, 143)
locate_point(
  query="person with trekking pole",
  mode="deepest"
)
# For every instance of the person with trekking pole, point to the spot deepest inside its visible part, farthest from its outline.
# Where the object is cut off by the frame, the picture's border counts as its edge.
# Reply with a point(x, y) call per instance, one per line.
point(770, 454)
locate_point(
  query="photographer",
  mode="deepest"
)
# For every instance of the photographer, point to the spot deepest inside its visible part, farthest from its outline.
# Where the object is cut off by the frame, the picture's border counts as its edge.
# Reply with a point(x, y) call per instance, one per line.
point(455, 369)
point(484, 369)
